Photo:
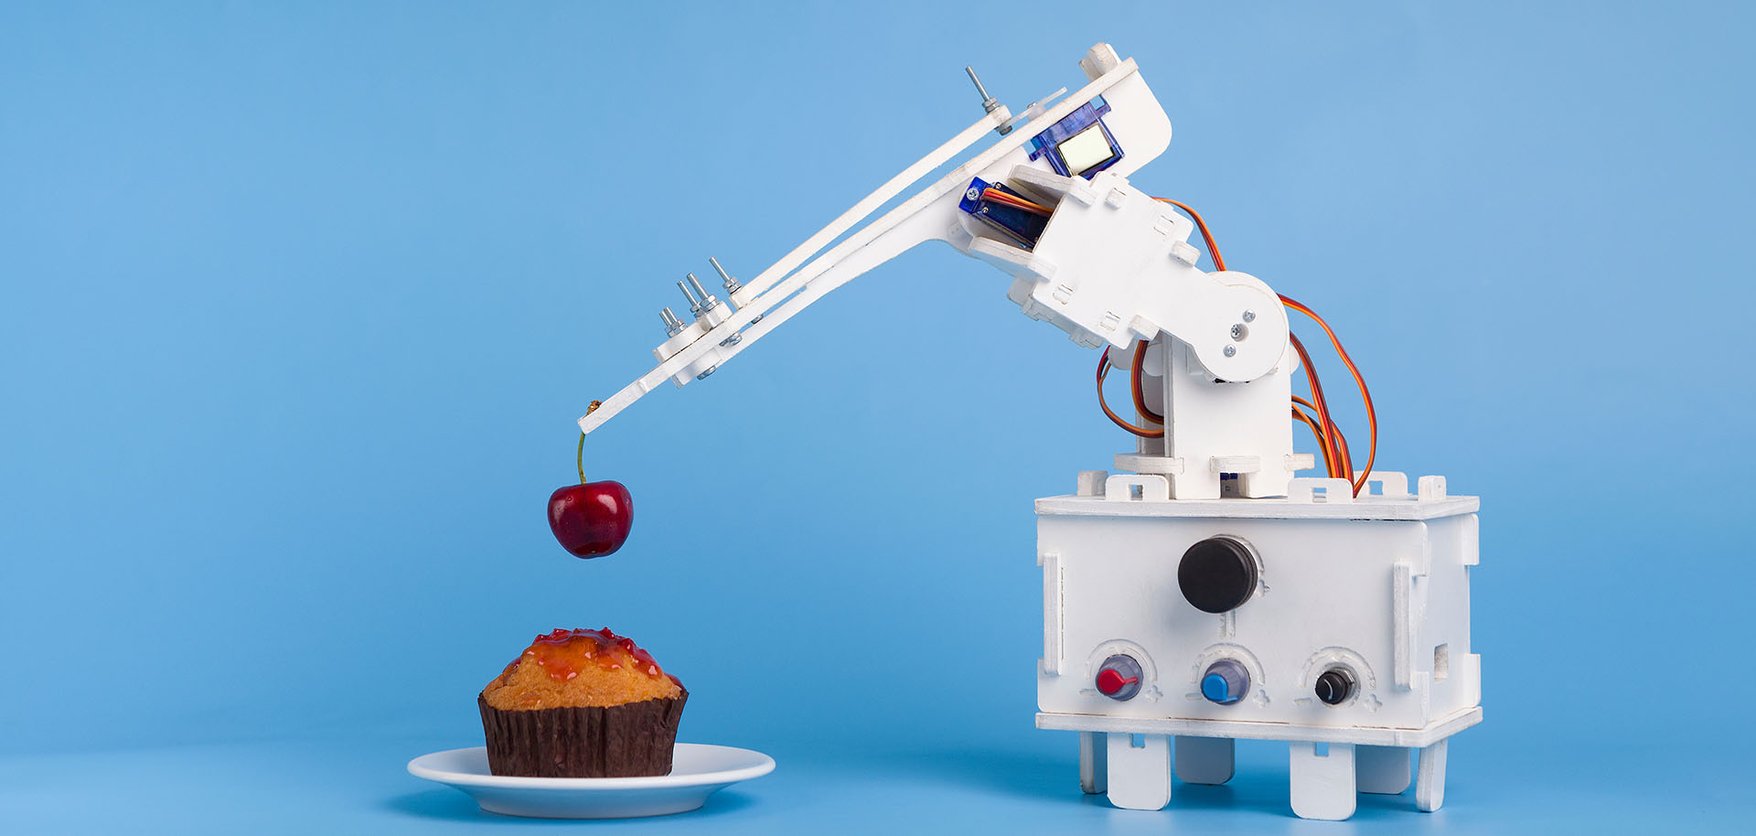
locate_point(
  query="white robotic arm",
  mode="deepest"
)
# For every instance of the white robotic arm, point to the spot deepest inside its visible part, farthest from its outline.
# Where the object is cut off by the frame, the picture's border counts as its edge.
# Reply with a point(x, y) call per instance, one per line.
point(1110, 265)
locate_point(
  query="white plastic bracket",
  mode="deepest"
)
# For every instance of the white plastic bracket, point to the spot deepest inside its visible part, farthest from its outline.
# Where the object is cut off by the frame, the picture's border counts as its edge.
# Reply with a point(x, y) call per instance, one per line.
point(1139, 776)
point(1234, 464)
point(1322, 776)
point(1054, 652)
point(1204, 760)
point(1381, 770)
point(1137, 487)
point(1310, 490)
point(1404, 603)
point(1388, 484)
point(1165, 465)
point(1430, 777)
point(1094, 776)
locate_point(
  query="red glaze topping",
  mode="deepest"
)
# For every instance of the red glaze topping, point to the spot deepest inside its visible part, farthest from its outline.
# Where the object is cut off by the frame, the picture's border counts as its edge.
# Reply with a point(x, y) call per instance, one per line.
point(562, 652)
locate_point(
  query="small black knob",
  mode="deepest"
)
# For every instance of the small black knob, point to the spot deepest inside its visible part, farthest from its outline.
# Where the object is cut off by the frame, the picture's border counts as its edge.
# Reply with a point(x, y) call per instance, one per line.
point(1334, 686)
point(1217, 574)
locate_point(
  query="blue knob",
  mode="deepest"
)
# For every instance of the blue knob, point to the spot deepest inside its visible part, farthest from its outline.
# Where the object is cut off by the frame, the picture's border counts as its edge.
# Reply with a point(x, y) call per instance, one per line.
point(1225, 682)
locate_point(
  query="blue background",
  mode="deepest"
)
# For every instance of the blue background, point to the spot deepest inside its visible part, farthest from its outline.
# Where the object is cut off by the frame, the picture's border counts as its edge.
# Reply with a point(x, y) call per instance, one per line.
point(300, 303)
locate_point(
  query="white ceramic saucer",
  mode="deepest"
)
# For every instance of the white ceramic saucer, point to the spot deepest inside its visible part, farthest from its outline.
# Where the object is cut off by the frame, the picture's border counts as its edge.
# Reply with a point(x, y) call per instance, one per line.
point(697, 771)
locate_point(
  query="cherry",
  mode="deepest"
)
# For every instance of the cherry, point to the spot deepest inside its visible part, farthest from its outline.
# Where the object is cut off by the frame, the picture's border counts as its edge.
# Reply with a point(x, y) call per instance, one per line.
point(591, 519)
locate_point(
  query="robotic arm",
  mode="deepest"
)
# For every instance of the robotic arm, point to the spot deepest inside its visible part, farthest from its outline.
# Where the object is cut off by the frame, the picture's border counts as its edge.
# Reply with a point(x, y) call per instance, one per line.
point(1049, 204)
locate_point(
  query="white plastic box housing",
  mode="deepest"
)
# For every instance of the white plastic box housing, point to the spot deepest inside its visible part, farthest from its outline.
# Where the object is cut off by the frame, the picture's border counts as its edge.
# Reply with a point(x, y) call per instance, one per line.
point(1378, 584)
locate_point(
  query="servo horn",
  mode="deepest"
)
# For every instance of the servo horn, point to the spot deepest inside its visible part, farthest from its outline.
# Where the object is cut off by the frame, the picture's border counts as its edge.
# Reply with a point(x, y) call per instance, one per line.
point(1119, 677)
point(1218, 574)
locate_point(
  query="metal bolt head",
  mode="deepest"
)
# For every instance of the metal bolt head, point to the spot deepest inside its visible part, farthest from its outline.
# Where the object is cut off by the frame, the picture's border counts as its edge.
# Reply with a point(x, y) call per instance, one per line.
point(1249, 316)
point(1238, 331)
point(1231, 351)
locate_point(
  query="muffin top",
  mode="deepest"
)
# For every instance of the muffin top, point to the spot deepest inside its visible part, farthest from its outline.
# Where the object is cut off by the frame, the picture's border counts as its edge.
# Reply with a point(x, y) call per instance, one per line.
point(580, 669)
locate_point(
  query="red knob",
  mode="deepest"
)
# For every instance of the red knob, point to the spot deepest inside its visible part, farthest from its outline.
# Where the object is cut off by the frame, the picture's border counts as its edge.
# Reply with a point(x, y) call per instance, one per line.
point(1111, 681)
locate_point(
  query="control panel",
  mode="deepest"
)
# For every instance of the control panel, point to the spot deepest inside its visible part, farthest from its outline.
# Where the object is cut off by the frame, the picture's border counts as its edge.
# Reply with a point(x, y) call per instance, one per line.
point(1305, 613)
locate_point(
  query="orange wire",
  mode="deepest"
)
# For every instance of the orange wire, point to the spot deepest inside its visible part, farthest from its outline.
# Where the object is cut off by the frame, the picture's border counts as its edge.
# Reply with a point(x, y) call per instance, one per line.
point(997, 196)
point(1341, 440)
point(1308, 405)
point(1219, 261)
point(1018, 204)
point(1337, 457)
point(1332, 458)
point(1103, 371)
point(1359, 379)
point(1315, 430)
point(1136, 378)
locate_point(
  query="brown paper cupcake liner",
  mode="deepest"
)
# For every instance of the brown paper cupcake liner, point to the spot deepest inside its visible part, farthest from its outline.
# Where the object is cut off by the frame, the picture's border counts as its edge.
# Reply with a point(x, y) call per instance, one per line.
point(621, 741)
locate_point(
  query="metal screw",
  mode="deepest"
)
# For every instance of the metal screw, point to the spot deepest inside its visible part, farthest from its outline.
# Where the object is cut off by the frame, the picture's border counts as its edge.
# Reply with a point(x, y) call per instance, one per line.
point(989, 103)
point(694, 302)
point(708, 303)
point(1239, 331)
point(700, 301)
point(732, 285)
point(673, 325)
point(1231, 350)
point(1249, 316)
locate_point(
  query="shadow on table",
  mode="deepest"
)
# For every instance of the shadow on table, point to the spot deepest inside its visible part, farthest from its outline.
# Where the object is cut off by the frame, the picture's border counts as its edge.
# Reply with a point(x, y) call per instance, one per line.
point(450, 805)
point(1260, 785)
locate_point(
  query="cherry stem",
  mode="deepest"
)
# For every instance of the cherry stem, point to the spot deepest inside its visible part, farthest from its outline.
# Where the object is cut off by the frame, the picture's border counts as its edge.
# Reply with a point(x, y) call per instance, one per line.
point(579, 455)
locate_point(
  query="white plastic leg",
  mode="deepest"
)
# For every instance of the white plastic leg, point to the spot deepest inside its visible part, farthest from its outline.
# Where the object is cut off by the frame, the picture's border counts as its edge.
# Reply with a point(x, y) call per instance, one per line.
point(1382, 770)
point(1204, 760)
point(1323, 786)
point(1093, 766)
point(1139, 778)
point(1430, 782)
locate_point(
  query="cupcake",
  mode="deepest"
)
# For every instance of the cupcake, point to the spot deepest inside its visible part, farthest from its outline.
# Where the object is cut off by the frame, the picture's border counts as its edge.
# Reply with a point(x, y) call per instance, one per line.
point(581, 704)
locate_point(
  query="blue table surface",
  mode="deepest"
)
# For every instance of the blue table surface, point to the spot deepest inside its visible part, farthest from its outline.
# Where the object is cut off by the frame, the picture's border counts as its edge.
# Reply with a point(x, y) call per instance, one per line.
point(361, 786)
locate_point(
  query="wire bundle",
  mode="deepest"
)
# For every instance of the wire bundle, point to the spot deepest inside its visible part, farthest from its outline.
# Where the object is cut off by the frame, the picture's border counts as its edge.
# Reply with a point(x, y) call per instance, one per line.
point(994, 195)
point(1337, 456)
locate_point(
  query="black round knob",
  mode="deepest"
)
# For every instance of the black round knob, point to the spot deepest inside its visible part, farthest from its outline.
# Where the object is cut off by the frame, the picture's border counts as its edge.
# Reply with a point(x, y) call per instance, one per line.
point(1334, 686)
point(1217, 574)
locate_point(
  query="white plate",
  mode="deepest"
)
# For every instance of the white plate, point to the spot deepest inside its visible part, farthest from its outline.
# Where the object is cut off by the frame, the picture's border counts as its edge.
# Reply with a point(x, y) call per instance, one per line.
point(697, 771)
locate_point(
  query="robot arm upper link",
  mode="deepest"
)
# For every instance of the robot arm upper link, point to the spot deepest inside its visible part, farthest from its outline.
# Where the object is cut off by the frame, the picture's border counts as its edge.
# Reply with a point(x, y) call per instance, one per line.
point(1110, 265)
